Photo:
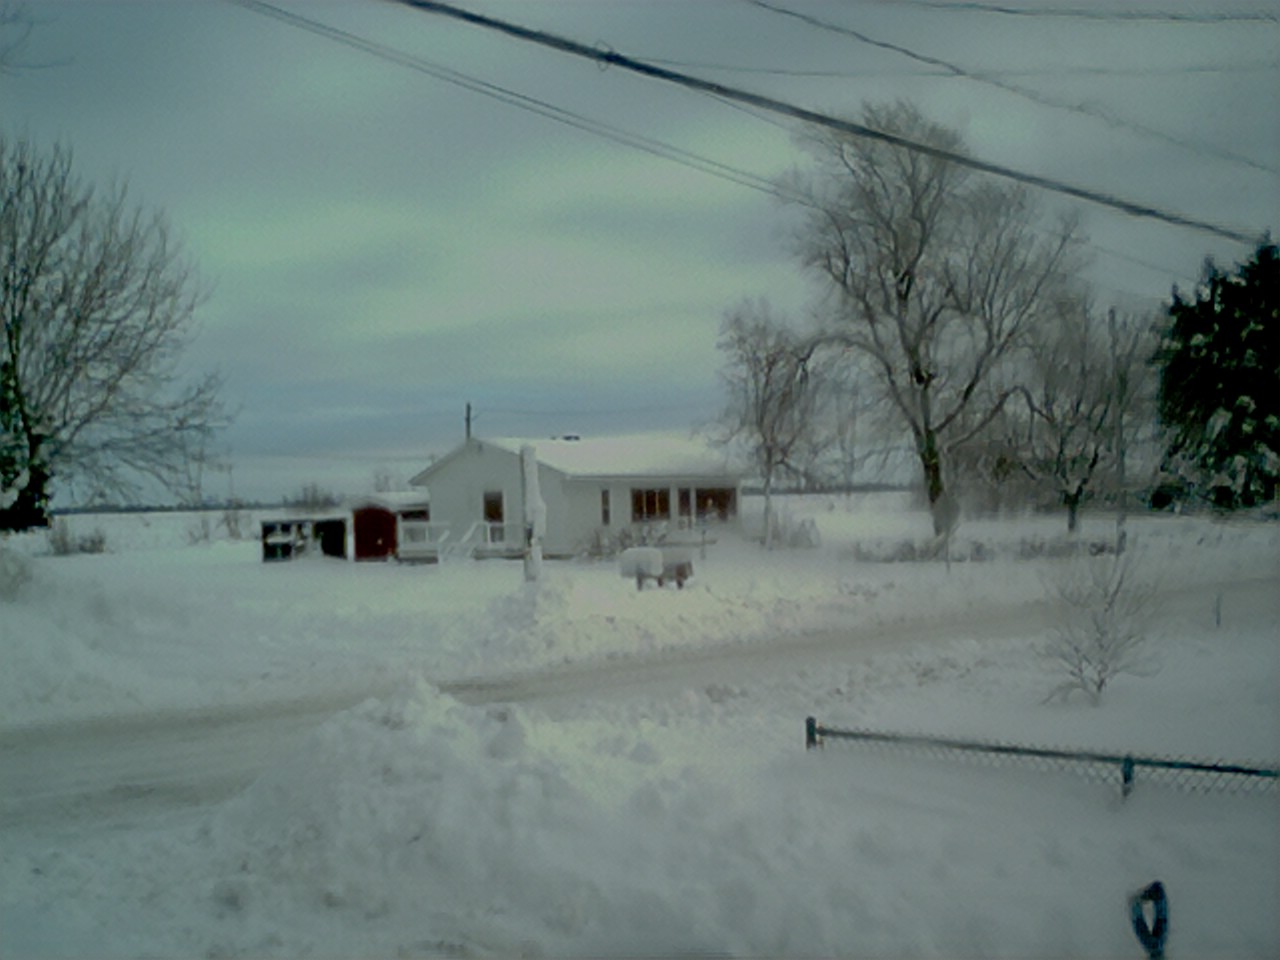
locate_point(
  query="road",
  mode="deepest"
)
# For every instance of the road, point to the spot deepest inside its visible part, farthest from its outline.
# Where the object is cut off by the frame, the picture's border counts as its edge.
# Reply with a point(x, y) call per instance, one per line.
point(125, 769)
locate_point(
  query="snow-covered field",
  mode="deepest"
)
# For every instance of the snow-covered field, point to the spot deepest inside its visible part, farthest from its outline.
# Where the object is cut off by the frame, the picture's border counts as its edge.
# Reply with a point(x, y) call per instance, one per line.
point(578, 768)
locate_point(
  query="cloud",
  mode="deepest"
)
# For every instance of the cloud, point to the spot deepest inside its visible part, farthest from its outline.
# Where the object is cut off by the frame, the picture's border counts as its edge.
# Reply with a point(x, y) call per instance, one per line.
point(384, 246)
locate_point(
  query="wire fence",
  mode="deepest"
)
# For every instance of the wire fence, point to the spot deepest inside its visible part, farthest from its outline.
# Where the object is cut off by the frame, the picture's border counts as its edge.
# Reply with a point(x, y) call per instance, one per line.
point(1182, 773)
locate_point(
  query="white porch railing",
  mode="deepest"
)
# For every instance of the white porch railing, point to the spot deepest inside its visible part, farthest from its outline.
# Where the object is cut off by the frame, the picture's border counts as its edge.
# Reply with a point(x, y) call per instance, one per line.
point(485, 537)
point(421, 539)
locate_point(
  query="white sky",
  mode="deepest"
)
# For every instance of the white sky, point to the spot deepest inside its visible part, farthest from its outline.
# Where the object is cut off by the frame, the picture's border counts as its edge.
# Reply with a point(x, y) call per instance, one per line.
point(383, 247)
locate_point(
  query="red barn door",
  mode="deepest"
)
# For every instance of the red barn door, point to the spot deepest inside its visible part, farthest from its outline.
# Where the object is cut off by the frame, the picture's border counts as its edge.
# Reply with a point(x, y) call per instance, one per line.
point(375, 533)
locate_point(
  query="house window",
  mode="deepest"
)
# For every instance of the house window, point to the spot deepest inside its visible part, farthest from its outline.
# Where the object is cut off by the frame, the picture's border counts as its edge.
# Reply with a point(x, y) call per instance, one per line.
point(686, 502)
point(493, 515)
point(650, 505)
point(414, 525)
point(604, 507)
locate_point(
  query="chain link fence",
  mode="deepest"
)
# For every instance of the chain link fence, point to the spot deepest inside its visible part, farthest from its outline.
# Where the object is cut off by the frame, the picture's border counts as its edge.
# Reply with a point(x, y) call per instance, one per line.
point(1123, 769)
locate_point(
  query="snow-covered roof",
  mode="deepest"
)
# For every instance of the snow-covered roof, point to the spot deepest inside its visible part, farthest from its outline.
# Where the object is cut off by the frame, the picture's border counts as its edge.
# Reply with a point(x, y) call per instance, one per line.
point(392, 500)
point(637, 455)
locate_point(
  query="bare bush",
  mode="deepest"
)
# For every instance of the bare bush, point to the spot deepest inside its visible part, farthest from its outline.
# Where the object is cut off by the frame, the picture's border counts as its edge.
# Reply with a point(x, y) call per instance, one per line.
point(1102, 610)
point(15, 573)
point(63, 543)
point(235, 520)
point(200, 530)
point(312, 496)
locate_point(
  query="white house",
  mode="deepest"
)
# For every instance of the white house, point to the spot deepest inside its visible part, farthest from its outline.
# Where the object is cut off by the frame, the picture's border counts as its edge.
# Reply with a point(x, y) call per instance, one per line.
point(596, 491)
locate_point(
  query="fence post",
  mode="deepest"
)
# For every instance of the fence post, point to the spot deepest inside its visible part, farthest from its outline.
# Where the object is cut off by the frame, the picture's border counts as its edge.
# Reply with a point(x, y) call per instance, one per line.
point(1126, 776)
point(811, 733)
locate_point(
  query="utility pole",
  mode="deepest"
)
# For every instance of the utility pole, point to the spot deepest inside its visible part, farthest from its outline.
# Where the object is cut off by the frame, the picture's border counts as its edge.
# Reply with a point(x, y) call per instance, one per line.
point(535, 513)
point(468, 421)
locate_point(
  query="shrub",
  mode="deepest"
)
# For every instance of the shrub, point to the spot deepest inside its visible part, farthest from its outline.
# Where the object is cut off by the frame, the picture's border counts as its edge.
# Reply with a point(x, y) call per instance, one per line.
point(15, 573)
point(62, 543)
point(1102, 611)
point(235, 520)
point(200, 530)
point(312, 496)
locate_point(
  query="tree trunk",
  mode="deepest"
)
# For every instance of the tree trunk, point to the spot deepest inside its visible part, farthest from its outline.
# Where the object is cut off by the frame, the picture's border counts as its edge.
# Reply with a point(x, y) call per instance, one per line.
point(931, 462)
point(768, 510)
point(1072, 501)
point(31, 508)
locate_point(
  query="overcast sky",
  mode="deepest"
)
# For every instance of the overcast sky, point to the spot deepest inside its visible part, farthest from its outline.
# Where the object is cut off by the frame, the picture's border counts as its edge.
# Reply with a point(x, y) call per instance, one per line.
point(383, 246)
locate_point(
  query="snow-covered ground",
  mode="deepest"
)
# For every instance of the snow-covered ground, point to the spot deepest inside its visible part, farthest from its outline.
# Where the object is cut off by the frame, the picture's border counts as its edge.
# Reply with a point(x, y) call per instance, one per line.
point(578, 768)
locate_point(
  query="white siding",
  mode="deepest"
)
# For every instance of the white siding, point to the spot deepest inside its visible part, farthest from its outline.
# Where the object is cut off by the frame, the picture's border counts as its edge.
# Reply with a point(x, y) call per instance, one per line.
point(458, 484)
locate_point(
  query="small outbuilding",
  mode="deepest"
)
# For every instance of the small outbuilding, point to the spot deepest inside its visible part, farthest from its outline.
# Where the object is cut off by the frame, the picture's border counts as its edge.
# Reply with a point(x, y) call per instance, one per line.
point(389, 526)
point(289, 538)
point(603, 492)
point(384, 526)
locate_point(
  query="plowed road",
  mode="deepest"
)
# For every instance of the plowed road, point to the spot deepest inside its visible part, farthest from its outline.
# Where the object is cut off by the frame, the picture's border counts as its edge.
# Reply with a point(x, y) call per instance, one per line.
point(124, 769)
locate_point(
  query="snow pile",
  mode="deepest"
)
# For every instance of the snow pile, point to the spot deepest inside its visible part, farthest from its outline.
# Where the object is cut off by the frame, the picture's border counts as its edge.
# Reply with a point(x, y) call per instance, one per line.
point(589, 612)
point(490, 831)
point(61, 654)
point(419, 807)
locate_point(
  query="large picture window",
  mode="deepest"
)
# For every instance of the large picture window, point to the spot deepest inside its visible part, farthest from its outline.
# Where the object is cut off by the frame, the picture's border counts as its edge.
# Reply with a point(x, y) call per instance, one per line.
point(650, 505)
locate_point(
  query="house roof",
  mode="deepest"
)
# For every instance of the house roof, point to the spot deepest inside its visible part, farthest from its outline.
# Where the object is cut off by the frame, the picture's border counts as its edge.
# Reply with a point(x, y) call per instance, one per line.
point(392, 500)
point(637, 455)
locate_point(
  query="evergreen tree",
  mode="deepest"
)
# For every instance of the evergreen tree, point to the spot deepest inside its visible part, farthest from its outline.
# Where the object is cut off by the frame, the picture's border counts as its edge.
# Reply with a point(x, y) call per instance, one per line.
point(1220, 382)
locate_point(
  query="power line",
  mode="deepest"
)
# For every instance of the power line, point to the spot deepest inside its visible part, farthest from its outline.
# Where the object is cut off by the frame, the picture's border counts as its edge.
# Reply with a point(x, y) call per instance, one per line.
point(524, 102)
point(1080, 13)
point(649, 145)
point(612, 58)
point(991, 79)
point(1248, 66)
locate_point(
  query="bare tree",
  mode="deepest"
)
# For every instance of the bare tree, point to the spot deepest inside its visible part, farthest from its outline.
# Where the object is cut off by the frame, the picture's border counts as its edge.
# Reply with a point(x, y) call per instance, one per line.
point(1086, 384)
point(312, 496)
point(845, 422)
point(1133, 341)
point(1102, 609)
point(97, 305)
point(1068, 398)
point(771, 394)
point(935, 272)
point(383, 481)
point(16, 24)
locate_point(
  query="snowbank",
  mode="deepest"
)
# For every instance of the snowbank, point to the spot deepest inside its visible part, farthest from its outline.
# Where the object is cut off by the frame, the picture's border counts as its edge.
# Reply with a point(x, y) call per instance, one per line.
point(682, 818)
